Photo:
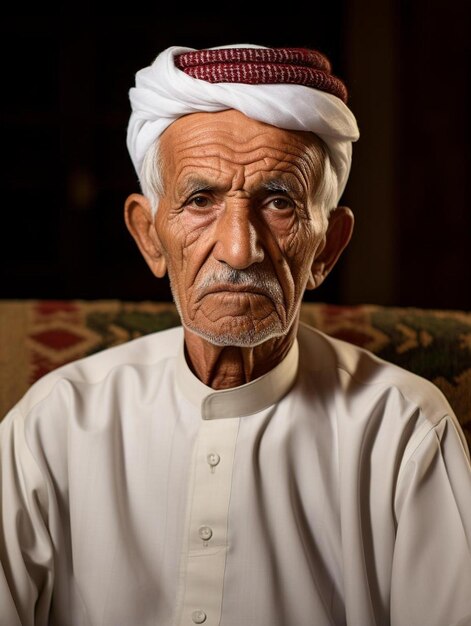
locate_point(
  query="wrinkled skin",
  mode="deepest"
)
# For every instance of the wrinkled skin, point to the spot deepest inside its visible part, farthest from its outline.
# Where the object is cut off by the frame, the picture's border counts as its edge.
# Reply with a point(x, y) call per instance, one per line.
point(240, 236)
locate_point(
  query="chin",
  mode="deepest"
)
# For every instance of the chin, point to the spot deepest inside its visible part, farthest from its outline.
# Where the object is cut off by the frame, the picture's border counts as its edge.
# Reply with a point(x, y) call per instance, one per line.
point(238, 338)
point(237, 335)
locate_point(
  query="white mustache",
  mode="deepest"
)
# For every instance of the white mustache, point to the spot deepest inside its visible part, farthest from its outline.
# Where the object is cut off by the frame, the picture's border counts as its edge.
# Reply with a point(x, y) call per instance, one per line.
point(255, 278)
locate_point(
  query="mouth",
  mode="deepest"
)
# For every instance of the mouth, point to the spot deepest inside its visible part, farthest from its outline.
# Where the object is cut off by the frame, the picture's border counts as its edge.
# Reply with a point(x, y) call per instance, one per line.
point(250, 290)
point(236, 289)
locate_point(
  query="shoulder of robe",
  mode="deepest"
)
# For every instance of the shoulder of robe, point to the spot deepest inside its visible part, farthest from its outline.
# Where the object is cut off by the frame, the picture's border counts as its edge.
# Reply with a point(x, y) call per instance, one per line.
point(147, 350)
point(360, 370)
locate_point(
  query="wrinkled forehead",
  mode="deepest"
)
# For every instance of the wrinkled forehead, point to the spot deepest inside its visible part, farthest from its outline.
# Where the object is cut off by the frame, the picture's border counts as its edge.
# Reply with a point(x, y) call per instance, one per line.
point(231, 139)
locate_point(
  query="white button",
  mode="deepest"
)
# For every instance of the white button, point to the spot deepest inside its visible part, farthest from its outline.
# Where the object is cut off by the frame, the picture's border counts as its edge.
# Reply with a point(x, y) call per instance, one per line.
point(205, 532)
point(198, 616)
point(213, 459)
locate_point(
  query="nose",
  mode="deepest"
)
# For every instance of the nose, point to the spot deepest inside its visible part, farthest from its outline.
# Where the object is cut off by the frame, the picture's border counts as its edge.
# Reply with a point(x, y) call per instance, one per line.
point(238, 242)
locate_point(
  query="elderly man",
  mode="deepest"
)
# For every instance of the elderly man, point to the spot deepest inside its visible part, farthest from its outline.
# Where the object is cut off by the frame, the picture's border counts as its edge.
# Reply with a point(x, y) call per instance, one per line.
point(243, 469)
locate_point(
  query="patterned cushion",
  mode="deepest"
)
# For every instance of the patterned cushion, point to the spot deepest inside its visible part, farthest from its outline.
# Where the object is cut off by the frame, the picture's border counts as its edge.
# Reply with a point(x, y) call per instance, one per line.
point(37, 336)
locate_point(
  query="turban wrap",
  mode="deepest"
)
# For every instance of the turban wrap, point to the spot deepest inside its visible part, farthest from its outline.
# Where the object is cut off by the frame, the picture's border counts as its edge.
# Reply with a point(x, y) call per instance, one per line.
point(291, 88)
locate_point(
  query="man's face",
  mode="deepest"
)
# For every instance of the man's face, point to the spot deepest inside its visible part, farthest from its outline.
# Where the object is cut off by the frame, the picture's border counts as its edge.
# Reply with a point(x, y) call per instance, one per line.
point(237, 224)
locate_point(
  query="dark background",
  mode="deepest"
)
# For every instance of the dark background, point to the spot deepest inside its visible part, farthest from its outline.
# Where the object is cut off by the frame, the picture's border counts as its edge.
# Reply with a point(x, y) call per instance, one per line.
point(66, 171)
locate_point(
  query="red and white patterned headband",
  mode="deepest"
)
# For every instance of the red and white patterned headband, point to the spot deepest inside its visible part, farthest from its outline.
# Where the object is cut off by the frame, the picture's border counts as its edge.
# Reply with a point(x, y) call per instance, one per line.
point(263, 66)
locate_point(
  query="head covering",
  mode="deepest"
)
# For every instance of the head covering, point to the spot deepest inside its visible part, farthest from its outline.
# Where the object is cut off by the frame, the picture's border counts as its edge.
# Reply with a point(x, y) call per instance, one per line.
point(291, 88)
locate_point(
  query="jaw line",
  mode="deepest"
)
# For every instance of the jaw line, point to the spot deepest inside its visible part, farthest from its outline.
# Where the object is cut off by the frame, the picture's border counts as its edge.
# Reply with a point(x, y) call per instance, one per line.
point(224, 341)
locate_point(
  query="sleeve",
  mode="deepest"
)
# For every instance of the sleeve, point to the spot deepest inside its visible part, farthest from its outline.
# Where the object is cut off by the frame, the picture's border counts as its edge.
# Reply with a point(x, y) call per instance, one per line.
point(26, 555)
point(431, 572)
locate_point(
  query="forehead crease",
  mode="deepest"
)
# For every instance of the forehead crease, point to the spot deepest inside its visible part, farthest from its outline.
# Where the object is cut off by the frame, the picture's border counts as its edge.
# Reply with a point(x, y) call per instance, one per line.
point(216, 152)
point(218, 157)
point(234, 140)
point(192, 164)
point(230, 144)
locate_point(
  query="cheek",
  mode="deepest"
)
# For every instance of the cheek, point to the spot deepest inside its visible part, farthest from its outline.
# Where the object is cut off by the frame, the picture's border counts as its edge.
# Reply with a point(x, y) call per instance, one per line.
point(299, 248)
point(187, 246)
point(296, 240)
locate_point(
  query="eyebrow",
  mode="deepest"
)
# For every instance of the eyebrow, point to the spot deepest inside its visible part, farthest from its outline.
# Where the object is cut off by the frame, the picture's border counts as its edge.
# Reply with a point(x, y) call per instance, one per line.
point(275, 185)
point(279, 185)
point(193, 185)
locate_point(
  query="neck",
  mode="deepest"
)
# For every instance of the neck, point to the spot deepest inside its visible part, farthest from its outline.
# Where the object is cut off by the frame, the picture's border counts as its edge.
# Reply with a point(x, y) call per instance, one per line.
point(223, 367)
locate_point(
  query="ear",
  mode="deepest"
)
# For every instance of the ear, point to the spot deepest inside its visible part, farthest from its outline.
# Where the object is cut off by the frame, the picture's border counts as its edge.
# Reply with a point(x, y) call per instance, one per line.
point(141, 224)
point(338, 234)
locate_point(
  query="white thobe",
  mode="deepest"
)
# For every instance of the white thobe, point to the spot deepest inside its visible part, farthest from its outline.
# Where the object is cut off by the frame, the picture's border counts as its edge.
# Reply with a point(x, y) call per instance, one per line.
point(335, 489)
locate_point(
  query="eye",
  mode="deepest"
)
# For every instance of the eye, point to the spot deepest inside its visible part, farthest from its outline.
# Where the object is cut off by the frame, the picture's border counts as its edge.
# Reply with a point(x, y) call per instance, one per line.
point(199, 201)
point(280, 203)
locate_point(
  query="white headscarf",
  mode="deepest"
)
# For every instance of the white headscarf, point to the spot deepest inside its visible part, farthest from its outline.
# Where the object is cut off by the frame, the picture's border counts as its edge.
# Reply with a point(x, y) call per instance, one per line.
point(163, 93)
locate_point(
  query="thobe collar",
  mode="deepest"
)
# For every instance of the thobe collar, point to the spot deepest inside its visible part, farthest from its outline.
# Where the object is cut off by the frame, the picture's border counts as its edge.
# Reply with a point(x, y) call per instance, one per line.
point(239, 401)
